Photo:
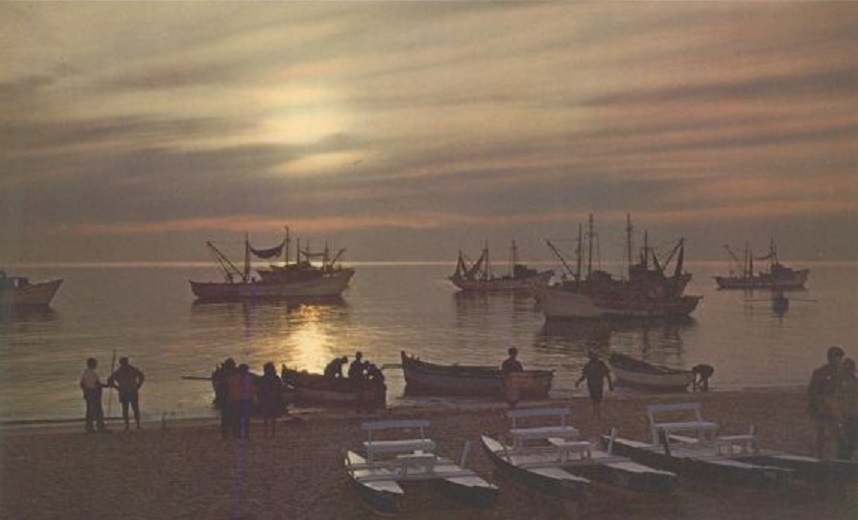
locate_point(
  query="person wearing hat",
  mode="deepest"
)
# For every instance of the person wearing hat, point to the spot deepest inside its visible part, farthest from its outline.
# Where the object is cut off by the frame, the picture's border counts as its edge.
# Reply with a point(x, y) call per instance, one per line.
point(128, 379)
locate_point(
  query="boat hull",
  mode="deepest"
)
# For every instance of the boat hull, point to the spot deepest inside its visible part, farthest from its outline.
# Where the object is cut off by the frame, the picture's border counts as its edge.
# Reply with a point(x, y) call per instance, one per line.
point(503, 283)
point(29, 294)
point(332, 284)
point(633, 372)
point(424, 378)
point(317, 390)
point(796, 279)
point(558, 303)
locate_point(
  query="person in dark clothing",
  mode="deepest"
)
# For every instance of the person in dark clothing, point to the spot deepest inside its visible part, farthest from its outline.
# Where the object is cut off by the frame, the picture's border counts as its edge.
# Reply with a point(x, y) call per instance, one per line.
point(822, 400)
point(595, 372)
point(128, 379)
point(220, 380)
point(509, 366)
point(357, 368)
point(270, 399)
point(848, 439)
point(242, 389)
point(702, 373)
point(335, 367)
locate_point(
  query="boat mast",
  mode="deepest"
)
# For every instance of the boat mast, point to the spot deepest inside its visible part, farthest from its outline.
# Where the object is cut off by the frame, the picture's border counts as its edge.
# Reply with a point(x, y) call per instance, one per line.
point(513, 258)
point(579, 255)
point(286, 248)
point(590, 242)
point(246, 276)
point(487, 269)
point(629, 242)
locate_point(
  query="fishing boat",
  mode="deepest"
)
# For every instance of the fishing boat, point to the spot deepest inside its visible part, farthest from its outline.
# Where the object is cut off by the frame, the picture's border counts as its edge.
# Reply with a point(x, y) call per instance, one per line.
point(685, 443)
point(18, 291)
point(386, 462)
point(309, 389)
point(477, 276)
point(649, 291)
point(289, 280)
point(741, 273)
point(423, 378)
point(553, 460)
point(635, 372)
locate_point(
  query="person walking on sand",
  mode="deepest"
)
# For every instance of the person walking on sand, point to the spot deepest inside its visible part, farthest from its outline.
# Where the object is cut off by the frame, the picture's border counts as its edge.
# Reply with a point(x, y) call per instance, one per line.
point(92, 386)
point(270, 398)
point(509, 366)
point(822, 400)
point(848, 438)
point(595, 372)
point(128, 379)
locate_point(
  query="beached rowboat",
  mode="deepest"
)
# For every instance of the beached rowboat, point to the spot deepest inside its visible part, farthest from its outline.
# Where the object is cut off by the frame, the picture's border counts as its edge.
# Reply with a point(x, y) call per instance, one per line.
point(424, 378)
point(635, 372)
point(317, 390)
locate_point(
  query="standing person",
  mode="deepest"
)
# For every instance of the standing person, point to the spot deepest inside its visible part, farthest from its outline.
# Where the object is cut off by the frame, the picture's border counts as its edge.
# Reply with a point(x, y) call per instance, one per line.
point(128, 379)
point(848, 439)
point(509, 366)
point(220, 380)
point(240, 397)
point(356, 369)
point(595, 372)
point(91, 386)
point(822, 400)
point(270, 398)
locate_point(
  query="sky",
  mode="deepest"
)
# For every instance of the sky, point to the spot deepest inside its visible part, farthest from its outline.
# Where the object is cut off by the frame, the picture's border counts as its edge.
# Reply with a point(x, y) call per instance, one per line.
point(407, 131)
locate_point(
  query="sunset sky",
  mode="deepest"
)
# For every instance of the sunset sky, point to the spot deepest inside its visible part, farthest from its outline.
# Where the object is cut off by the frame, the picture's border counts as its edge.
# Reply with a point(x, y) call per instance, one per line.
point(410, 130)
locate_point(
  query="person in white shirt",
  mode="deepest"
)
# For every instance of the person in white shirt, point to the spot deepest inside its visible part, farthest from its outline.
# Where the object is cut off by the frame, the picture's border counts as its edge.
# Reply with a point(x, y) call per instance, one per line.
point(91, 386)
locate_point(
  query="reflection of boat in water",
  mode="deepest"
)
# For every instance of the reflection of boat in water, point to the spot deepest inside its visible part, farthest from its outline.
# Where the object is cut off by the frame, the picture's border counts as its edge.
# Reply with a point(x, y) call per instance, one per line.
point(18, 291)
point(779, 276)
point(648, 291)
point(635, 372)
point(478, 277)
point(301, 279)
point(422, 378)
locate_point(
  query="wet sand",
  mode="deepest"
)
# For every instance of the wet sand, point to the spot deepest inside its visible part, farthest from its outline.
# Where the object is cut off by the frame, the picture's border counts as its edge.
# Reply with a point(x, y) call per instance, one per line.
point(185, 470)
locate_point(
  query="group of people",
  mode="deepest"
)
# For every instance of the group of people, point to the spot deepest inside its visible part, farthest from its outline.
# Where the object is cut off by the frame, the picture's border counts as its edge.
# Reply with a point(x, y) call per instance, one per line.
point(359, 370)
point(239, 393)
point(127, 379)
point(832, 399)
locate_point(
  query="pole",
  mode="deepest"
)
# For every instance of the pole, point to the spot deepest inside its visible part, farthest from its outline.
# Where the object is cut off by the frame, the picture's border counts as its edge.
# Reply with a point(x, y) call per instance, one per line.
point(110, 389)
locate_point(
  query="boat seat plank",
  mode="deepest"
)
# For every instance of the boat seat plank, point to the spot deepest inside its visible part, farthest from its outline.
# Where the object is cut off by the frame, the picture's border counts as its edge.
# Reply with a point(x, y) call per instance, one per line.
point(566, 447)
point(398, 446)
point(702, 428)
point(520, 433)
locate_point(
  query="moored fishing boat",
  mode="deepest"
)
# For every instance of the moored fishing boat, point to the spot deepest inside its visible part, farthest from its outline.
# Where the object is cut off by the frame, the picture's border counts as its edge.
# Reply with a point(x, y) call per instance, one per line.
point(478, 276)
point(741, 274)
point(301, 279)
point(648, 292)
point(636, 372)
point(423, 378)
point(18, 291)
point(553, 460)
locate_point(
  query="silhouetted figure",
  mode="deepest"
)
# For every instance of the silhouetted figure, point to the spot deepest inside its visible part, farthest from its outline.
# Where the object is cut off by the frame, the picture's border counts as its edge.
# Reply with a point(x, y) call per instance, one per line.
point(335, 367)
point(220, 380)
point(240, 396)
point(702, 373)
point(848, 440)
point(595, 372)
point(270, 399)
point(509, 366)
point(92, 390)
point(128, 379)
point(357, 367)
point(822, 400)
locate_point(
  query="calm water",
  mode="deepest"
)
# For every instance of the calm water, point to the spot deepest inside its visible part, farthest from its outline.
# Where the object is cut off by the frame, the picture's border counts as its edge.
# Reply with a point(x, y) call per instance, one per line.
point(148, 314)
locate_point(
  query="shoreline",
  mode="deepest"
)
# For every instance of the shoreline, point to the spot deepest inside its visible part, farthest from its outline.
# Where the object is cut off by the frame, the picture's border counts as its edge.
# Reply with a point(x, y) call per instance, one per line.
point(185, 470)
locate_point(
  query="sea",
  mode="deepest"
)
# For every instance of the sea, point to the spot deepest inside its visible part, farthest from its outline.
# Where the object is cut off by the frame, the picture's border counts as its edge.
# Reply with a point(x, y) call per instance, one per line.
point(146, 312)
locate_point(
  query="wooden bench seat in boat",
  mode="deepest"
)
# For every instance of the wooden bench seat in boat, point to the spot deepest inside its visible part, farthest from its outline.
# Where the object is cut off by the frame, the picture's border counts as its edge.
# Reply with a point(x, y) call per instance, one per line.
point(702, 429)
point(560, 432)
point(422, 447)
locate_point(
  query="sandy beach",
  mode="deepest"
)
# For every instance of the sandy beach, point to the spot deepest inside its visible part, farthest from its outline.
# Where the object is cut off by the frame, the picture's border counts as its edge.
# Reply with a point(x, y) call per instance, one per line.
point(185, 470)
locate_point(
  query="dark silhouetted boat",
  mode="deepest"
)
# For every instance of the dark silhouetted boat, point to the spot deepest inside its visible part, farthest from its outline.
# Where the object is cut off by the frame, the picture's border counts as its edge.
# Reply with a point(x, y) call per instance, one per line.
point(18, 291)
point(778, 276)
point(477, 276)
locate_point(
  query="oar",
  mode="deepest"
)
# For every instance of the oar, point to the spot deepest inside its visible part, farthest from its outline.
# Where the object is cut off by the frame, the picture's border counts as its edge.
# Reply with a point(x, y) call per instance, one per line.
point(197, 378)
point(391, 365)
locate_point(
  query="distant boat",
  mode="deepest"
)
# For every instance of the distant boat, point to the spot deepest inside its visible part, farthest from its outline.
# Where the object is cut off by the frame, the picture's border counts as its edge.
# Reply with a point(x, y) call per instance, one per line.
point(301, 279)
point(18, 291)
point(648, 292)
point(478, 276)
point(422, 378)
point(635, 372)
point(778, 276)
